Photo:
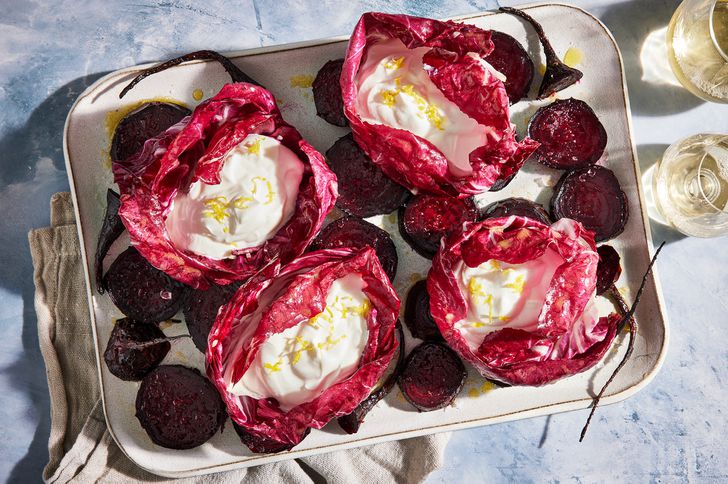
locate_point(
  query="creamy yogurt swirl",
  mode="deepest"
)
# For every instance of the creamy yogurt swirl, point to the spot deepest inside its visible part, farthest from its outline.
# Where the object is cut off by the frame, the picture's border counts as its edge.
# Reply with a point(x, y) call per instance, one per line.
point(298, 364)
point(394, 90)
point(256, 196)
point(501, 295)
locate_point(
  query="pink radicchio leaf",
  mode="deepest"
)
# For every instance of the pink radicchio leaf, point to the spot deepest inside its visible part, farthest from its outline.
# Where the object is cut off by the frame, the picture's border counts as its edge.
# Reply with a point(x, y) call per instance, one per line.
point(539, 371)
point(194, 150)
point(568, 337)
point(266, 306)
point(455, 67)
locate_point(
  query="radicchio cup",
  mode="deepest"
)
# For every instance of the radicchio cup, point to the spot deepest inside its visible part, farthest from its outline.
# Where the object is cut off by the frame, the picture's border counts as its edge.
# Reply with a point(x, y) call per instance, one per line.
point(294, 351)
point(427, 108)
point(226, 191)
point(515, 298)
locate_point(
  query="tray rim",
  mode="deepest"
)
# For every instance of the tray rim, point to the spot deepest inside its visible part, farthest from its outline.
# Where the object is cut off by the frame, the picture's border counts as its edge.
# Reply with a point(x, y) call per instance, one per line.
point(564, 406)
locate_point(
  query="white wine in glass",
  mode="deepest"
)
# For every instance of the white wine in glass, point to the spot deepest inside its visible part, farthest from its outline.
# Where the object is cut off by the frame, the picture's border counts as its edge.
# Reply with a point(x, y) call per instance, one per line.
point(697, 40)
point(690, 185)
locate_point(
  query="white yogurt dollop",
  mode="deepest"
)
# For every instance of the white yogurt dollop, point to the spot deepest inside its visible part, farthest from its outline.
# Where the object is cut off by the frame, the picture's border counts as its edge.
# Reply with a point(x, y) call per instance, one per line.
point(395, 90)
point(256, 196)
point(298, 364)
point(502, 295)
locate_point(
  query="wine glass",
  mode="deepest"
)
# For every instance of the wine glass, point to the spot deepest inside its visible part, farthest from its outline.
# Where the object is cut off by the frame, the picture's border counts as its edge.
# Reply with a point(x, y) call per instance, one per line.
point(688, 187)
point(697, 40)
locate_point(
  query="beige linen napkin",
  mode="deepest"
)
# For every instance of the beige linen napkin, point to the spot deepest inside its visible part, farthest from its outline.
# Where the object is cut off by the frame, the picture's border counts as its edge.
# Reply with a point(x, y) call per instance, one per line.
point(80, 446)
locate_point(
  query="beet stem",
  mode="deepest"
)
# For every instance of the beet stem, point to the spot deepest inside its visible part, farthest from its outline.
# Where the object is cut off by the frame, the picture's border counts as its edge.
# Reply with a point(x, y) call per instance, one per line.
point(547, 48)
point(235, 73)
point(111, 229)
point(632, 334)
point(558, 76)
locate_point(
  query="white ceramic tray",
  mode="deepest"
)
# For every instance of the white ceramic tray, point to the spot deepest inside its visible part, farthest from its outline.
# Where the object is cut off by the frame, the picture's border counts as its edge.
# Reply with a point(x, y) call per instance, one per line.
point(283, 70)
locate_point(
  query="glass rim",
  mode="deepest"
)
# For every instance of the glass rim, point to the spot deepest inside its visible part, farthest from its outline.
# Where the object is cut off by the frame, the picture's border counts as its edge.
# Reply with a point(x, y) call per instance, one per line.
point(711, 28)
point(722, 139)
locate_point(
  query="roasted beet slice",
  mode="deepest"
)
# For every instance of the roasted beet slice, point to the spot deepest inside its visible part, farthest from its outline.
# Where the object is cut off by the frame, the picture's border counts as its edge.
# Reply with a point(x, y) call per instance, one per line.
point(517, 206)
point(570, 134)
point(145, 122)
point(263, 445)
point(134, 349)
point(178, 407)
point(593, 197)
point(417, 315)
point(327, 93)
point(234, 71)
point(141, 291)
point(428, 218)
point(352, 421)
point(511, 59)
point(111, 229)
point(356, 233)
point(432, 377)
point(609, 268)
point(558, 75)
point(364, 189)
point(200, 309)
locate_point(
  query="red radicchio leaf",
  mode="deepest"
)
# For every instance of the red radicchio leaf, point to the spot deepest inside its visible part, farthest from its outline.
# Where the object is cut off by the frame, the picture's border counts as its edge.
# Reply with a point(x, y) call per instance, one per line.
point(453, 67)
point(566, 339)
point(265, 306)
point(193, 150)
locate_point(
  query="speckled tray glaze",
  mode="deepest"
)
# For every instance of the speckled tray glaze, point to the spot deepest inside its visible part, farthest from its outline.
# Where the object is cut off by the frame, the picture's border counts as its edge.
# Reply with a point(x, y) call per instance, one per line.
point(286, 71)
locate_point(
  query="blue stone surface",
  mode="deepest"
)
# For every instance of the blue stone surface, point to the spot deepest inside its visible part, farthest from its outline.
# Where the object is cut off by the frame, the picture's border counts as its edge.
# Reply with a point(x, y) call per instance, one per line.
point(50, 51)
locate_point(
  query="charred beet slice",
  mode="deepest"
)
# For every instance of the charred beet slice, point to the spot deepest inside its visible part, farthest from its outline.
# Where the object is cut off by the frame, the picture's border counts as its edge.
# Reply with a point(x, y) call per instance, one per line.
point(364, 189)
point(141, 291)
point(200, 310)
point(517, 206)
point(432, 377)
point(570, 134)
point(327, 93)
point(593, 197)
point(262, 445)
point(111, 229)
point(558, 75)
point(417, 315)
point(145, 122)
point(178, 407)
point(428, 218)
point(511, 59)
point(134, 349)
point(356, 233)
point(609, 268)
point(352, 421)
point(234, 71)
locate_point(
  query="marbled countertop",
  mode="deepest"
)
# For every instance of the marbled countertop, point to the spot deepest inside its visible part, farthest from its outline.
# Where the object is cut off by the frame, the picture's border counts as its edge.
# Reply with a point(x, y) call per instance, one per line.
point(51, 50)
